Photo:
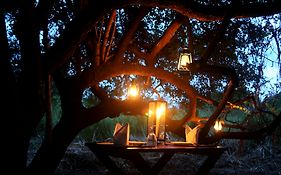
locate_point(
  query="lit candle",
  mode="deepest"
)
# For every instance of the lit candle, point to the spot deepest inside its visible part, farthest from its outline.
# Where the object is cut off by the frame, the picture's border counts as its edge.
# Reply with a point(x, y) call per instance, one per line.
point(160, 119)
point(218, 125)
point(184, 60)
point(156, 119)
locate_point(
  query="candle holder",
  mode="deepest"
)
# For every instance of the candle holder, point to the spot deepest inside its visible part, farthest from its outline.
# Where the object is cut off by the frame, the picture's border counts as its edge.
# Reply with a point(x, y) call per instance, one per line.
point(156, 122)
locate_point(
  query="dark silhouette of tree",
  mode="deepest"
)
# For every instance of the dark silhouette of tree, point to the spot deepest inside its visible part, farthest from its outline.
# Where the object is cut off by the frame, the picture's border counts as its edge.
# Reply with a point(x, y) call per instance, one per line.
point(98, 40)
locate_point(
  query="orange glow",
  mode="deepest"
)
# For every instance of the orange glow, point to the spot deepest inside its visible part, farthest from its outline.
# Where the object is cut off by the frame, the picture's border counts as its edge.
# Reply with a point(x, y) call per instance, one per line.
point(160, 111)
point(184, 60)
point(156, 118)
point(133, 91)
point(218, 125)
point(150, 113)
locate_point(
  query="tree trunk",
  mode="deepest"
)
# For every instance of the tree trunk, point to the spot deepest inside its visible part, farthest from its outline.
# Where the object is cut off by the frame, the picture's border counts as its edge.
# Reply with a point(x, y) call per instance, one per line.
point(52, 150)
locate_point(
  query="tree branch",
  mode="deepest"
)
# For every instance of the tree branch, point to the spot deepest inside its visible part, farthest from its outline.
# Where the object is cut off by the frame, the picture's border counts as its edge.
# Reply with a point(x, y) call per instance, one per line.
point(127, 37)
point(164, 40)
point(77, 29)
point(215, 40)
point(111, 22)
point(258, 134)
point(226, 95)
point(203, 12)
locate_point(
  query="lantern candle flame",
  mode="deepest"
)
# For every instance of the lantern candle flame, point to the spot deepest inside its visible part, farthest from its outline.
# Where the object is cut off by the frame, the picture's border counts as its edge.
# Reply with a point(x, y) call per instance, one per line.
point(218, 126)
point(184, 60)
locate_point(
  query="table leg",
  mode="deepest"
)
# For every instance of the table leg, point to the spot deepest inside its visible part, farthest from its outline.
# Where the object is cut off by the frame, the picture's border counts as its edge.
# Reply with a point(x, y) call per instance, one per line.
point(209, 163)
point(161, 162)
point(140, 164)
point(108, 162)
point(144, 167)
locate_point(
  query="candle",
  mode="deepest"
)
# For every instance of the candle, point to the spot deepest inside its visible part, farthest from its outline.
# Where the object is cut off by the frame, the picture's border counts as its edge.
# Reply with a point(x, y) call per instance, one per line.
point(156, 119)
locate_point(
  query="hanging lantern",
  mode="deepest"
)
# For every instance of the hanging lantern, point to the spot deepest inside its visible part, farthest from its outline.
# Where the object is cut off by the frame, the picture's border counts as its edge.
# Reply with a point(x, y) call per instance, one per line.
point(184, 60)
point(156, 119)
point(218, 125)
point(133, 90)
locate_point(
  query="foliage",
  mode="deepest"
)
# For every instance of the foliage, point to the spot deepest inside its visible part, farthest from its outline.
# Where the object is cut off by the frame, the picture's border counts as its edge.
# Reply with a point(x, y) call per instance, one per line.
point(103, 130)
point(273, 103)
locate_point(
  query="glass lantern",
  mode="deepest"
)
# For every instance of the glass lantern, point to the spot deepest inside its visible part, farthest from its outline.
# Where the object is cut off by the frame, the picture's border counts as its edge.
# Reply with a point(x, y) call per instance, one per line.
point(185, 59)
point(156, 122)
point(133, 90)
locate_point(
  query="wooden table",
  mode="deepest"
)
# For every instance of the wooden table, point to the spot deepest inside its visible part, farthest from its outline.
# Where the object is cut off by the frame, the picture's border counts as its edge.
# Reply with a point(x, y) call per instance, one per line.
point(103, 150)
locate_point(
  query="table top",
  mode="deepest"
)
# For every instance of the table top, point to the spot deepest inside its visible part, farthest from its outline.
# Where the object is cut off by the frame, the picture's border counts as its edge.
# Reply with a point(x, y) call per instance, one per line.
point(162, 147)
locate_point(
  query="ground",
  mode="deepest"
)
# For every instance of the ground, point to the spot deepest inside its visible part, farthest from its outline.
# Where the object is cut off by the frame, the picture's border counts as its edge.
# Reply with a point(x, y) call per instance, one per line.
point(256, 159)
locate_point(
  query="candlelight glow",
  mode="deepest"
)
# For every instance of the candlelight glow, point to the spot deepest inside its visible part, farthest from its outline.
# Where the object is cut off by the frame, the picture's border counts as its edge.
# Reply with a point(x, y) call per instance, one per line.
point(160, 111)
point(184, 60)
point(156, 118)
point(218, 126)
point(133, 91)
point(150, 113)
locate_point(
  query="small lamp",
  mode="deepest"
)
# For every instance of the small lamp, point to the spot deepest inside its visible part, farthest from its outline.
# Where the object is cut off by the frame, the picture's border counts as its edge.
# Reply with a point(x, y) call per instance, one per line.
point(156, 119)
point(184, 60)
point(133, 90)
point(218, 125)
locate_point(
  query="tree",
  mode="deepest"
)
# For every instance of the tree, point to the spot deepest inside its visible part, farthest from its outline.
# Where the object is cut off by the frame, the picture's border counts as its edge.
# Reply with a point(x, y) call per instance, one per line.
point(89, 48)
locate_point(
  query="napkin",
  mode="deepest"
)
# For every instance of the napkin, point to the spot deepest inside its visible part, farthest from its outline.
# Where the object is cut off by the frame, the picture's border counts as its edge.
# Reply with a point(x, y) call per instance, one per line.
point(121, 134)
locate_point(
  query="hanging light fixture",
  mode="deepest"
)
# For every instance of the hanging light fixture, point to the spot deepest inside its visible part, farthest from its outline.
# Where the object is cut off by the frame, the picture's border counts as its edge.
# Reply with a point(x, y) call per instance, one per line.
point(185, 59)
point(156, 119)
point(133, 90)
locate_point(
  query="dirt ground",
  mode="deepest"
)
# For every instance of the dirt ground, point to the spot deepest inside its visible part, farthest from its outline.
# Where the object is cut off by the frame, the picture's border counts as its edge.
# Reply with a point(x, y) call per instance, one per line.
point(262, 159)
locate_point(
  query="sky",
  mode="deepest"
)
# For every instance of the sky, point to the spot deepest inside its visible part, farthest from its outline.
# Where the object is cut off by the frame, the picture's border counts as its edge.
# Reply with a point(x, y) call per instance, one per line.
point(272, 75)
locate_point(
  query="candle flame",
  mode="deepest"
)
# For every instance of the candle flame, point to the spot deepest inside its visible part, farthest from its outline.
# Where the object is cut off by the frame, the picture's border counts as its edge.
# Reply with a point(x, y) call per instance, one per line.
point(218, 126)
point(160, 111)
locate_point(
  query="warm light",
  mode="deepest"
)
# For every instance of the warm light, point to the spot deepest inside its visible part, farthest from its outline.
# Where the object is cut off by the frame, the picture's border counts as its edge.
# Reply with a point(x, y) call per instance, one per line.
point(218, 125)
point(156, 119)
point(160, 111)
point(184, 60)
point(133, 91)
